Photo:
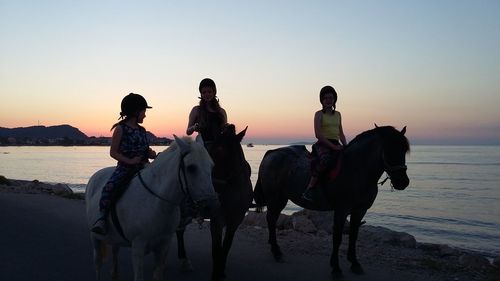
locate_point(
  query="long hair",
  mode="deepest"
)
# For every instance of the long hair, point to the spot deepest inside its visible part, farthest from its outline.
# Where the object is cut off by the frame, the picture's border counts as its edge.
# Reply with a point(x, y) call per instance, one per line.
point(204, 105)
point(123, 120)
point(214, 103)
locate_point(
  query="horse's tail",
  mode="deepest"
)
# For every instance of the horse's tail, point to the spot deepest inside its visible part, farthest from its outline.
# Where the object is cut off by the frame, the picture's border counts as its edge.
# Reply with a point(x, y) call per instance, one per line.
point(258, 196)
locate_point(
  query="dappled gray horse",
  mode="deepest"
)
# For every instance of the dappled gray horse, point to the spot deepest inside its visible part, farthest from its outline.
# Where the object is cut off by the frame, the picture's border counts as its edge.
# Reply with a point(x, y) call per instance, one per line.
point(148, 211)
point(285, 172)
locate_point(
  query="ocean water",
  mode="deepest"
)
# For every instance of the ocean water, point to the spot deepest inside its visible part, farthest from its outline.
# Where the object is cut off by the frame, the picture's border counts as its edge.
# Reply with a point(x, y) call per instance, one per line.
point(453, 197)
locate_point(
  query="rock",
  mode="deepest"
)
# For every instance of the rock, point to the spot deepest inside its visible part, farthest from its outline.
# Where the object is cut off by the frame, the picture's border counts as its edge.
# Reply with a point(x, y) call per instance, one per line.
point(255, 219)
point(62, 190)
point(445, 250)
point(303, 224)
point(259, 219)
point(496, 263)
point(406, 240)
point(473, 260)
point(4, 181)
point(284, 222)
point(321, 220)
point(37, 187)
point(384, 235)
point(430, 247)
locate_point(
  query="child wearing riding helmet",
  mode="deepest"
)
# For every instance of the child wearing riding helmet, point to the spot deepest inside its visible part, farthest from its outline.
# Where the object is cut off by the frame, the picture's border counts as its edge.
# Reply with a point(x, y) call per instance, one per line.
point(129, 146)
point(208, 118)
point(330, 135)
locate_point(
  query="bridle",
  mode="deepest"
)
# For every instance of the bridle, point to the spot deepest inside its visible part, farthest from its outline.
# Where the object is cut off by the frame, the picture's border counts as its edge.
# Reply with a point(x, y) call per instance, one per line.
point(182, 180)
point(390, 169)
point(236, 169)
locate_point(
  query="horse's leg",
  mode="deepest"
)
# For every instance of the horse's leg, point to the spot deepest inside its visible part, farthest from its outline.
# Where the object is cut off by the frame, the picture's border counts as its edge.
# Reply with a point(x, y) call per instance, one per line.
point(216, 233)
point(138, 248)
point(99, 248)
point(226, 245)
point(114, 267)
point(339, 218)
point(186, 265)
point(354, 225)
point(160, 254)
point(273, 212)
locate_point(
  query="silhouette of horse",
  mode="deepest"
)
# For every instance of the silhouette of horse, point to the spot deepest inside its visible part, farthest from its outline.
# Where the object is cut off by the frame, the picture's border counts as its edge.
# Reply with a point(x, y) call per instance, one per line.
point(148, 211)
point(231, 178)
point(285, 172)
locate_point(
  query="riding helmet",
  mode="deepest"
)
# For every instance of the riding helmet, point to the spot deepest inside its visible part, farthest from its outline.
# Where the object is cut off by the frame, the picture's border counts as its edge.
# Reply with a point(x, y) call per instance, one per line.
point(326, 90)
point(132, 104)
point(207, 82)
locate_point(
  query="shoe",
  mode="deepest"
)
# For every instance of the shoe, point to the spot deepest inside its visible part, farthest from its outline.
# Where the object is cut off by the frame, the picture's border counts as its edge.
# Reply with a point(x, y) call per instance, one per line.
point(307, 195)
point(100, 227)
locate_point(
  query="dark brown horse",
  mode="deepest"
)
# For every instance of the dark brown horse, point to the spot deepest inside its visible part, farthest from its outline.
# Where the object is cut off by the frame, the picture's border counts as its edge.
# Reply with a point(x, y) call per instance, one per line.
point(285, 172)
point(231, 180)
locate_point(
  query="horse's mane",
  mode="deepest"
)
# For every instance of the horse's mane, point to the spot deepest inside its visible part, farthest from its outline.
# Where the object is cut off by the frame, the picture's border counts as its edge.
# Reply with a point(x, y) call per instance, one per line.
point(173, 145)
point(167, 152)
point(385, 132)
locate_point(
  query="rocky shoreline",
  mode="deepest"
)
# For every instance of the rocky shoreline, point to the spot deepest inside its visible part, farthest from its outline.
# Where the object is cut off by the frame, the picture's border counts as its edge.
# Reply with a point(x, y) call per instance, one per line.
point(309, 232)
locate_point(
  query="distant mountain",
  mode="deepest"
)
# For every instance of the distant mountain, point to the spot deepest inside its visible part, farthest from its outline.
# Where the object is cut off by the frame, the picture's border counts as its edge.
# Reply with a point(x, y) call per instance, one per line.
point(302, 143)
point(39, 132)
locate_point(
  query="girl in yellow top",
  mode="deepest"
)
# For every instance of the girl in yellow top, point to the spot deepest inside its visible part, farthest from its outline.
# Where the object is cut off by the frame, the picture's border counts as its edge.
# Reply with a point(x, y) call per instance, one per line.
point(330, 135)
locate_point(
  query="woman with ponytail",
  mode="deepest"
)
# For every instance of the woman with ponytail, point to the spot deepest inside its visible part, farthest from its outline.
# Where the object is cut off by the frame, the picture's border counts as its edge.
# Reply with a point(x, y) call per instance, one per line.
point(208, 118)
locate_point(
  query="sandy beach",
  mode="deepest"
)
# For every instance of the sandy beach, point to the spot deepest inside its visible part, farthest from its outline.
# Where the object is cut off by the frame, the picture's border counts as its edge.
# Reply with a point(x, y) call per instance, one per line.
point(44, 237)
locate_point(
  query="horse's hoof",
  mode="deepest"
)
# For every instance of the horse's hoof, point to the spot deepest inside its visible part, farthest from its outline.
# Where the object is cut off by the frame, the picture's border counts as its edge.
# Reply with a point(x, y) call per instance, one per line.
point(278, 258)
point(186, 266)
point(337, 275)
point(357, 269)
point(277, 254)
point(218, 277)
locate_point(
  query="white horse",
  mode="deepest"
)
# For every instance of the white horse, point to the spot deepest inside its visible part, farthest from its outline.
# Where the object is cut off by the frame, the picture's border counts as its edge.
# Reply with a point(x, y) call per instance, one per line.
point(148, 211)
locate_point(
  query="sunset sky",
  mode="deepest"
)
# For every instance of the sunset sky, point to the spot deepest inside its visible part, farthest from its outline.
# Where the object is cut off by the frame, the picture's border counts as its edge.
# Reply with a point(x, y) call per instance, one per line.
point(433, 66)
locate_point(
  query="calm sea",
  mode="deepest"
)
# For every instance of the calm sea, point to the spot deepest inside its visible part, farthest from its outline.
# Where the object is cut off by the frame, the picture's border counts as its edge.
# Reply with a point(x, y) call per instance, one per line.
point(453, 197)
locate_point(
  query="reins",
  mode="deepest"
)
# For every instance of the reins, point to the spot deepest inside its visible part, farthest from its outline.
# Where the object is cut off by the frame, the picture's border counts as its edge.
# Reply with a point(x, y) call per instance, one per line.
point(183, 184)
point(390, 169)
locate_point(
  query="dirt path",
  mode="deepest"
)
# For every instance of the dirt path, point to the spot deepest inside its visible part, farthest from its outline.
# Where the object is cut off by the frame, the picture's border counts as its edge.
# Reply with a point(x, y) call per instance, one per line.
point(45, 238)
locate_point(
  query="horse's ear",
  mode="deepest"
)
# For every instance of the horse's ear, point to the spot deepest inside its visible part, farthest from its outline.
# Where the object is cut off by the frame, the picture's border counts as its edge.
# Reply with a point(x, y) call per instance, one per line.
point(241, 134)
point(403, 131)
point(199, 139)
point(184, 146)
point(376, 126)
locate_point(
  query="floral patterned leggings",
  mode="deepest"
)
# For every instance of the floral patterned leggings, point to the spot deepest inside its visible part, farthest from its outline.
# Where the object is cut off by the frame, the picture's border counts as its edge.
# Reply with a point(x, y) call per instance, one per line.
point(116, 183)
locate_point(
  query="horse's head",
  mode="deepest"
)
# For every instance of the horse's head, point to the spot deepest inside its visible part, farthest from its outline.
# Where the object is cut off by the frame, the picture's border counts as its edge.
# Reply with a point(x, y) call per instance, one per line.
point(227, 153)
point(394, 149)
point(195, 174)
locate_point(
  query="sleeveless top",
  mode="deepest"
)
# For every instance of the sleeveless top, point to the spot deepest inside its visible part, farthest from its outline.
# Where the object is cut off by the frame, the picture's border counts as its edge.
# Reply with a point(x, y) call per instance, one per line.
point(330, 125)
point(211, 127)
point(134, 143)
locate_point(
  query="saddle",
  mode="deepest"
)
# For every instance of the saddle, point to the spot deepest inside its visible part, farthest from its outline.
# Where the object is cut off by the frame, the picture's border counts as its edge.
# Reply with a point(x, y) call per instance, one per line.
point(333, 170)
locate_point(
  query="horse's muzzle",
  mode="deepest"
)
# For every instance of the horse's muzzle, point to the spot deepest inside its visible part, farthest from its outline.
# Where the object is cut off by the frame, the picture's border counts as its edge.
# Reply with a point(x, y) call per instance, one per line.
point(400, 182)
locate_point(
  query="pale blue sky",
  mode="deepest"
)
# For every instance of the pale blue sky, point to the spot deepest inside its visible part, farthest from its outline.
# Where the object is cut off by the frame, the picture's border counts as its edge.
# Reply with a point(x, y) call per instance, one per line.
point(430, 65)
